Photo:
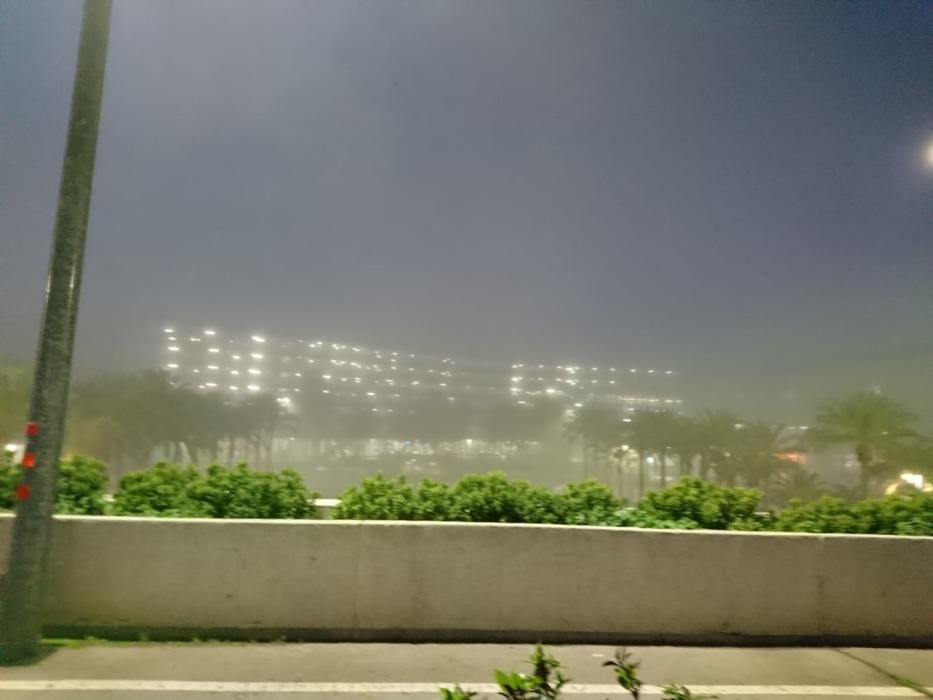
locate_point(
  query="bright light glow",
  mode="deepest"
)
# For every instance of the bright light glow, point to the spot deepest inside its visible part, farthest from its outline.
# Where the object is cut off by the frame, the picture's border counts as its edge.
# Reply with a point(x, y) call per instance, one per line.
point(633, 371)
point(210, 384)
point(256, 355)
point(253, 387)
point(172, 338)
point(297, 374)
point(168, 330)
point(213, 367)
point(208, 331)
point(915, 480)
point(668, 371)
point(516, 379)
point(12, 447)
point(236, 357)
point(325, 376)
point(930, 155)
point(258, 339)
point(213, 349)
point(578, 405)
point(196, 371)
point(195, 340)
point(370, 393)
point(356, 349)
point(415, 383)
point(171, 366)
point(551, 390)
point(325, 391)
point(235, 372)
point(254, 371)
point(650, 371)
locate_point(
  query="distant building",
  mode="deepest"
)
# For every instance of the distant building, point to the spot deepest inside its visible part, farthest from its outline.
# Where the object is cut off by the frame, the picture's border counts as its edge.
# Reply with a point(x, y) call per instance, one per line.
point(210, 360)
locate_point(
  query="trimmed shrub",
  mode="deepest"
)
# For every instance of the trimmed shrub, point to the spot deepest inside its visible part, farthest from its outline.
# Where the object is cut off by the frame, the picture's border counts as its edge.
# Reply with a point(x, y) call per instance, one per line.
point(589, 503)
point(493, 498)
point(82, 485)
point(9, 477)
point(377, 498)
point(710, 506)
point(238, 492)
point(168, 490)
point(163, 490)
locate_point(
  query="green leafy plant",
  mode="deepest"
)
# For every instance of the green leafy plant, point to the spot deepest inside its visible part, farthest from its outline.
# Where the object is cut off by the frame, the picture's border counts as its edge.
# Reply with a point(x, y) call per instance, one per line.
point(82, 485)
point(238, 492)
point(167, 490)
point(9, 477)
point(588, 503)
point(709, 505)
point(456, 693)
point(626, 672)
point(377, 498)
point(163, 490)
point(544, 682)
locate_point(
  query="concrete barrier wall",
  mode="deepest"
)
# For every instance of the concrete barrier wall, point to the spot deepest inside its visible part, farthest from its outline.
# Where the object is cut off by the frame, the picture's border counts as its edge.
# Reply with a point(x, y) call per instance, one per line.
point(450, 581)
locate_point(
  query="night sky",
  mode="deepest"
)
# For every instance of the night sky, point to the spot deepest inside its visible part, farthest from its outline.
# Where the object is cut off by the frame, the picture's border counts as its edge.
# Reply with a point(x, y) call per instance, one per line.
point(736, 189)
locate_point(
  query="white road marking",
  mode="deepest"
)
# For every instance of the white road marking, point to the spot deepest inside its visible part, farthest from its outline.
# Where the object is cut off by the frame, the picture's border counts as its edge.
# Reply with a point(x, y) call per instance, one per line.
point(78, 685)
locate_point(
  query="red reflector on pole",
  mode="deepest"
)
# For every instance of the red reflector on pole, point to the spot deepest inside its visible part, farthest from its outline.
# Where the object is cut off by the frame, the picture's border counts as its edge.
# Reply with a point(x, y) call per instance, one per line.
point(29, 460)
point(23, 492)
point(32, 428)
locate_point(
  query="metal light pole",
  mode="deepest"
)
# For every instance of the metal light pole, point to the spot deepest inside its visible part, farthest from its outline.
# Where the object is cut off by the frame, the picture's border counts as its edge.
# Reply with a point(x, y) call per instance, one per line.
point(20, 604)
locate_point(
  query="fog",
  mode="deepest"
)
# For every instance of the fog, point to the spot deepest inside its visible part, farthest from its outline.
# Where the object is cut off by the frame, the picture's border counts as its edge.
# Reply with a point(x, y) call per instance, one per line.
point(733, 199)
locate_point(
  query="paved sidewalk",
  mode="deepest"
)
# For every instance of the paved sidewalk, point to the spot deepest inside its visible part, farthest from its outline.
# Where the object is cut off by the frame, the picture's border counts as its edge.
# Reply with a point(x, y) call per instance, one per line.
point(391, 671)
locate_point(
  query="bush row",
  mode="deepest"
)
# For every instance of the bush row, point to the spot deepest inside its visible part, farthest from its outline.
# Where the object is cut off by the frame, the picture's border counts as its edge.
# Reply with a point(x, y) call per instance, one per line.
point(168, 490)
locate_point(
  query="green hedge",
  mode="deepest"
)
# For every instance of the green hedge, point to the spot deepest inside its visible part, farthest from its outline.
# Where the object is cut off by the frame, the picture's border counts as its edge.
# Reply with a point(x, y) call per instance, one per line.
point(167, 490)
point(82, 484)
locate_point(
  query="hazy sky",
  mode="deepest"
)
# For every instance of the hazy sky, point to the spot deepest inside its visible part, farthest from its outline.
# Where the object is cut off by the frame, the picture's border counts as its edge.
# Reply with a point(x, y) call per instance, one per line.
point(694, 184)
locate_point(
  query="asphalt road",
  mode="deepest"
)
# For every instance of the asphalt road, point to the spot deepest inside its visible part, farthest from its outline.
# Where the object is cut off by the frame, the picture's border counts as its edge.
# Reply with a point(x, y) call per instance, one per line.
point(391, 671)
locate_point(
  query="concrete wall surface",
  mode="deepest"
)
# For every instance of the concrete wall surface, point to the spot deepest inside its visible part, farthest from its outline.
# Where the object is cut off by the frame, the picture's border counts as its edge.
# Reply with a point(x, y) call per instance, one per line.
point(453, 581)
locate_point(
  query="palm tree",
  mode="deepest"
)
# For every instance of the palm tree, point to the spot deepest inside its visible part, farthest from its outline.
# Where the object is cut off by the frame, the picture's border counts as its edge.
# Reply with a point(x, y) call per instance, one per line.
point(756, 451)
point(597, 425)
point(871, 423)
point(653, 432)
point(793, 481)
point(717, 433)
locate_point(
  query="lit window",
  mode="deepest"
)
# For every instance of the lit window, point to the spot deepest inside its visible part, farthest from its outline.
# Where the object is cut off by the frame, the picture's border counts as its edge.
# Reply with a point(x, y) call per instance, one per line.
point(415, 383)
point(325, 391)
point(207, 331)
point(253, 387)
point(172, 338)
point(254, 371)
point(213, 367)
point(235, 372)
point(236, 357)
point(173, 348)
point(297, 374)
point(325, 376)
point(171, 366)
point(168, 330)
point(256, 355)
point(650, 371)
point(258, 339)
point(234, 387)
point(370, 393)
point(210, 384)
point(213, 349)
point(633, 371)
point(196, 371)
point(669, 371)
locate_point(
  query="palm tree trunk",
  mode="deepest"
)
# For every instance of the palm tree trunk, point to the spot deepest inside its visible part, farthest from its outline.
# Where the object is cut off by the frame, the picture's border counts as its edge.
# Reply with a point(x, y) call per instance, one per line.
point(641, 474)
point(663, 457)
